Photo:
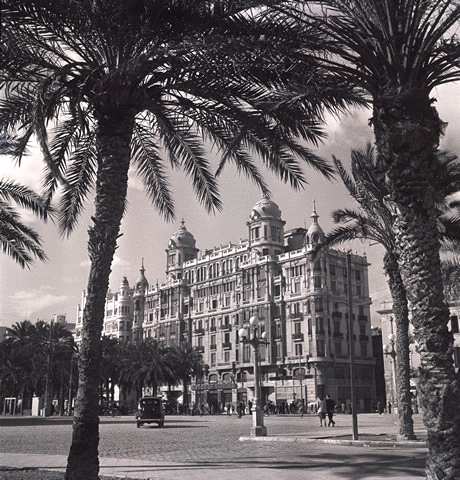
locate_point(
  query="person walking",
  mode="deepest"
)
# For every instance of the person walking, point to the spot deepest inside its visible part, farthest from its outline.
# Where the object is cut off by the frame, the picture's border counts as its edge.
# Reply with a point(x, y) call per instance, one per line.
point(322, 409)
point(330, 407)
point(389, 407)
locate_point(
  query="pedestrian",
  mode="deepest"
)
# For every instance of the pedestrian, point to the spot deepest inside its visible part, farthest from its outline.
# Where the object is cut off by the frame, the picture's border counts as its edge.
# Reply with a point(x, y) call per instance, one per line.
point(389, 407)
point(379, 407)
point(343, 407)
point(249, 406)
point(330, 406)
point(322, 409)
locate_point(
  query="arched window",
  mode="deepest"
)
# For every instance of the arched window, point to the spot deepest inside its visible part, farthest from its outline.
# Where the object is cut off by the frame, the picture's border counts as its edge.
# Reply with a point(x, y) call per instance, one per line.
point(212, 378)
point(227, 378)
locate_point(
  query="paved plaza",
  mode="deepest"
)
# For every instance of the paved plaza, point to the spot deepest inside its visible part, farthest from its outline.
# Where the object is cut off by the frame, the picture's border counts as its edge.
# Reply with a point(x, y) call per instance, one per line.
point(209, 447)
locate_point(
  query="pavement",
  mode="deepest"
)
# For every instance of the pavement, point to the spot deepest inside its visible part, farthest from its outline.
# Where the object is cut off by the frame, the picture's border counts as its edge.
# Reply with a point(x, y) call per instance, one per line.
point(206, 448)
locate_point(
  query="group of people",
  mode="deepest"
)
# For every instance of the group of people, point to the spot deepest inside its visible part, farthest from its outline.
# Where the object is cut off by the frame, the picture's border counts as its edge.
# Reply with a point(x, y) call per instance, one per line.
point(326, 407)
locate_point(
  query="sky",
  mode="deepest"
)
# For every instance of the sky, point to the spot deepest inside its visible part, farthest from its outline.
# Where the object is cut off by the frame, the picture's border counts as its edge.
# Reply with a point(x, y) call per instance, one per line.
point(55, 287)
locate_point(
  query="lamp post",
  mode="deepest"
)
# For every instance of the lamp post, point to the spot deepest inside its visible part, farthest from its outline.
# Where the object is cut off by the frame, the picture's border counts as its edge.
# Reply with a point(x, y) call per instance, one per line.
point(389, 349)
point(255, 339)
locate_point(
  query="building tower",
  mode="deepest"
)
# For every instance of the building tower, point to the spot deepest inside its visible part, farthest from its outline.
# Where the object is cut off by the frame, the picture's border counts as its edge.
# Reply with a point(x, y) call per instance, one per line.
point(122, 311)
point(266, 228)
point(140, 289)
point(315, 234)
point(181, 247)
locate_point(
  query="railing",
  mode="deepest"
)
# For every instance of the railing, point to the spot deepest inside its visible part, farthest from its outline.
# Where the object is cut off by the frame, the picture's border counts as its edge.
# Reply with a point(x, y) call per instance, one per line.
point(297, 336)
point(213, 346)
point(227, 345)
point(212, 328)
point(226, 327)
point(338, 335)
point(199, 331)
point(200, 349)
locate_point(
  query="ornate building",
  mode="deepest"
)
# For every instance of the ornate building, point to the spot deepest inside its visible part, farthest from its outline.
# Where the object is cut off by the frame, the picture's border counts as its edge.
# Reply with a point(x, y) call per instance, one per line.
point(301, 304)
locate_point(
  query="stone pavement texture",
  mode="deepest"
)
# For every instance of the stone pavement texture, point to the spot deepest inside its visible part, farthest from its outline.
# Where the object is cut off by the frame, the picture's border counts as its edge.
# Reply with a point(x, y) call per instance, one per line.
point(208, 448)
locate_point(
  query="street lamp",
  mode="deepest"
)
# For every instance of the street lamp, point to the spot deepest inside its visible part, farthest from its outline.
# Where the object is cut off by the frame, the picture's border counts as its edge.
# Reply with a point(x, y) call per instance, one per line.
point(389, 349)
point(253, 337)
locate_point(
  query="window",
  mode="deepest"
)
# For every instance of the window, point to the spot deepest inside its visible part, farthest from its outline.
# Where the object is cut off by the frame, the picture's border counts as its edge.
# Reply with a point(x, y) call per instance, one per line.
point(320, 348)
point(213, 362)
point(357, 275)
point(319, 325)
point(298, 349)
point(364, 350)
point(336, 326)
point(200, 341)
point(213, 341)
point(214, 304)
point(297, 328)
point(332, 270)
point(454, 324)
point(457, 357)
point(227, 337)
point(246, 353)
point(226, 356)
point(278, 350)
point(317, 281)
point(338, 348)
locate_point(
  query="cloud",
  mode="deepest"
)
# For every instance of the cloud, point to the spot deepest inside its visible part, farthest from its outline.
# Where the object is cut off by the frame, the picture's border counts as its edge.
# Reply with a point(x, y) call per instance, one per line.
point(117, 262)
point(28, 302)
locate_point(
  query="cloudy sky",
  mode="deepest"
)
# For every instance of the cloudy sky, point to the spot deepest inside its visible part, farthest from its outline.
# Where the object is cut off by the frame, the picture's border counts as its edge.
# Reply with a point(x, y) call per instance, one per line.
point(55, 286)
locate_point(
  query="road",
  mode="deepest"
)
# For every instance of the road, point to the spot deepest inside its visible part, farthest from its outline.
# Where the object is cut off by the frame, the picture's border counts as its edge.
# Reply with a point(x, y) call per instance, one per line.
point(209, 446)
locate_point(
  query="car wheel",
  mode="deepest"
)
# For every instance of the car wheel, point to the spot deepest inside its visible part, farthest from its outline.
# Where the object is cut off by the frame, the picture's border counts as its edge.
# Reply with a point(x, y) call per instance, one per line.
point(161, 424)
point(138, 424)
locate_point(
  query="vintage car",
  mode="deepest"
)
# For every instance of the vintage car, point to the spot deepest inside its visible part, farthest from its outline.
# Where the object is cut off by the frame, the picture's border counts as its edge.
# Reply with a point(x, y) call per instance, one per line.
point(150, 410)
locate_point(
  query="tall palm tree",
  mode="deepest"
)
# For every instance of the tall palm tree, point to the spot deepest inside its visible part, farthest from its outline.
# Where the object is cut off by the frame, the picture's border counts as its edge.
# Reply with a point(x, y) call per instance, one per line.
point(374, 221)
point(17, 239)
point(397, 52)
point(128, 81)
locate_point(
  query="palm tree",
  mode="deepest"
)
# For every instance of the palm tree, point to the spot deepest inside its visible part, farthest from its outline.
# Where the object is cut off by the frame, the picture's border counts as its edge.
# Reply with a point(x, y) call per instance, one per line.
point(145, 365)
point(127, 81)
point(397, 52)
point(374, 221)
point(18, 240)
point(186, 362)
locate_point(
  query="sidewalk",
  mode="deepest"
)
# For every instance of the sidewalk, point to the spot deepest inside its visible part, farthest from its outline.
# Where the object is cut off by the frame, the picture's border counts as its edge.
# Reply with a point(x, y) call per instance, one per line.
point(337, 466)
point(369, 436)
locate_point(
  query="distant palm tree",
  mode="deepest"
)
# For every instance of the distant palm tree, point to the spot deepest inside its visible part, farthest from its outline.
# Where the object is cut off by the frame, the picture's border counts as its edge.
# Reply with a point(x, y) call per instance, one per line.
point(18, 240)
point(145, 365)
point(186, 362)
point(374, 222)
point(398, 52)
point(129, 83)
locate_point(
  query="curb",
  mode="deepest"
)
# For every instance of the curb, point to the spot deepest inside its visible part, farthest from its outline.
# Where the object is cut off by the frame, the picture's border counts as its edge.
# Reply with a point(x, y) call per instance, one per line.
point(336, 441)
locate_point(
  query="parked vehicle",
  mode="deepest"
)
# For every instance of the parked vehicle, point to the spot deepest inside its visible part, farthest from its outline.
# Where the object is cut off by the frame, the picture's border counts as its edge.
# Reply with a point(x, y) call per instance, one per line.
point(150, 410)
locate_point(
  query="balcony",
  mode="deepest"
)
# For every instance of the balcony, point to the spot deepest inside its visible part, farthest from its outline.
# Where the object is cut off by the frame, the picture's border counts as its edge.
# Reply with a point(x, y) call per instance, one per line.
point(213, 346)
point(198, 331)
point(227, 345)
point(338, 335)
point(297, 336)
point(226, 327)
point(212, 328)
point(200, 349)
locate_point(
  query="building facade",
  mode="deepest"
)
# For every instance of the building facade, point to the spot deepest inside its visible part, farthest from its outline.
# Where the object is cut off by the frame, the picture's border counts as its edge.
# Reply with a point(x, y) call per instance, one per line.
point(302, 304)
point(388, 328)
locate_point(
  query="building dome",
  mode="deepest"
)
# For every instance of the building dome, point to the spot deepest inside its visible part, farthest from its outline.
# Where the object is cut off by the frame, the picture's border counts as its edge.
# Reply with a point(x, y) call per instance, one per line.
point(124, 283)
point(182, 238)
point(141, 283)
point(265, 208)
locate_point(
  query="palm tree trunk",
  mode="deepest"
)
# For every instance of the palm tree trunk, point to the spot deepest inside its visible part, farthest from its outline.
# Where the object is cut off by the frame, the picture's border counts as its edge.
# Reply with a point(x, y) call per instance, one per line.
point(401, 314)
point(407, 130)
point(113, 146)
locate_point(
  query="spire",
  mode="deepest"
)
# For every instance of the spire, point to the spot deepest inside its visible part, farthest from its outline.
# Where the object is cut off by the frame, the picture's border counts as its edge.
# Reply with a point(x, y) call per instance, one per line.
point(314, 214)
point(142, 269)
